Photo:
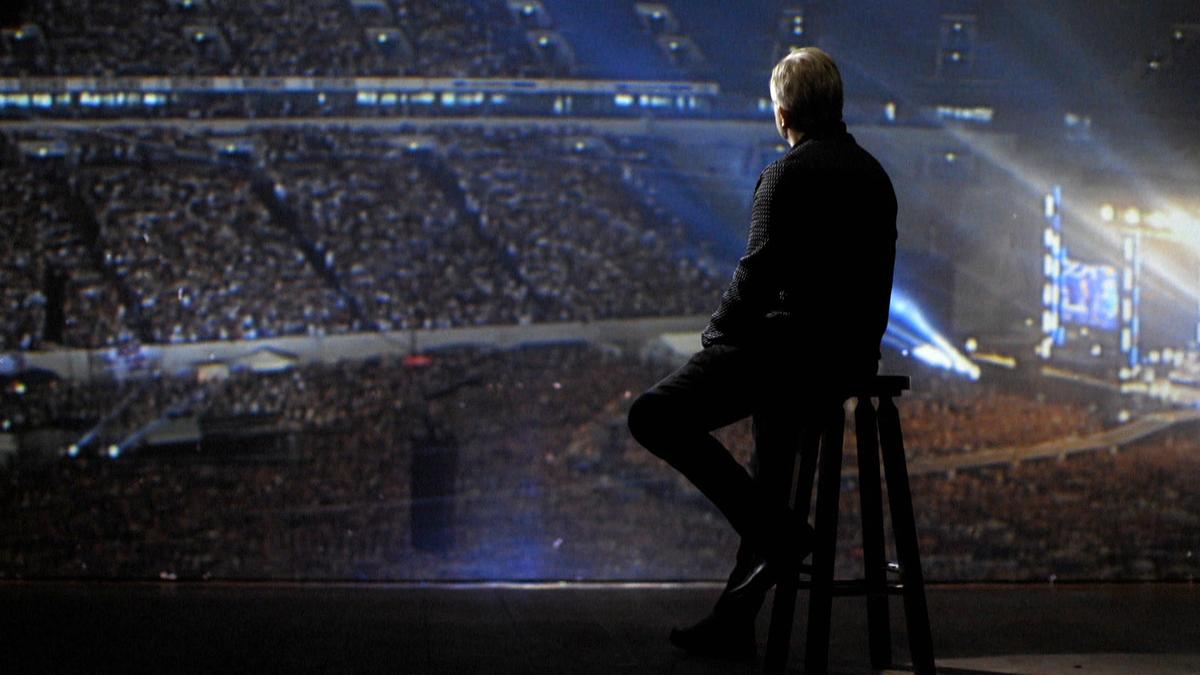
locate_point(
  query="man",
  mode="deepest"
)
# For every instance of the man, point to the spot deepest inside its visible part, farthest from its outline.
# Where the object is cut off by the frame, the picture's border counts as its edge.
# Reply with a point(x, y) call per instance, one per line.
point(808, 303)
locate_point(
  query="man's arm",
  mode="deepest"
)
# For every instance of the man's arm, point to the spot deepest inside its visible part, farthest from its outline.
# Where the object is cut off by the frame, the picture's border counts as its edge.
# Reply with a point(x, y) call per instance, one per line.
point(754, 288)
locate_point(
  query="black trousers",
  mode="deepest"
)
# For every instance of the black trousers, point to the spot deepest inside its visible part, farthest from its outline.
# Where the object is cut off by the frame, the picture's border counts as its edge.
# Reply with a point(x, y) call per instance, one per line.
point(719, 385)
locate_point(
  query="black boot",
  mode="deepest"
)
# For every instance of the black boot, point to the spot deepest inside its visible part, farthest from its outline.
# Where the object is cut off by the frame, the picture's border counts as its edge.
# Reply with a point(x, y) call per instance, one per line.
point(728, 630)
point(763, 576)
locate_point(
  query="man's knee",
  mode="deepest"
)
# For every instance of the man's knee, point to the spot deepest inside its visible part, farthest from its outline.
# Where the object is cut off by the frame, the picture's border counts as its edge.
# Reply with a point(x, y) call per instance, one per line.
point(649, 420)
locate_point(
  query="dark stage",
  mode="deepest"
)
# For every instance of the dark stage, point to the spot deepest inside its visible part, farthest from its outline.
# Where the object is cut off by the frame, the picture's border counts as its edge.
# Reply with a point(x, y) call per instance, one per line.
point(558, 628)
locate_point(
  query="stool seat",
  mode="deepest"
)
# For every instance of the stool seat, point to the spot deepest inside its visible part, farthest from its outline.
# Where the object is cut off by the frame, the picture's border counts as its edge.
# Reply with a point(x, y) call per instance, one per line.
point(820, 439)
point(877, 386)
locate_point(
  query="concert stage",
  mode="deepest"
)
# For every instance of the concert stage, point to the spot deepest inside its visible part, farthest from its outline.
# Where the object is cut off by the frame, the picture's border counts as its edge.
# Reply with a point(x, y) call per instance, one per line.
point(219, 627)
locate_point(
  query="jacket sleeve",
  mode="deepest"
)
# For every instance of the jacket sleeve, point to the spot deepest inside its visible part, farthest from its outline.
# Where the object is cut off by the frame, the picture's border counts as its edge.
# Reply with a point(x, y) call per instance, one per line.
point(754, 290)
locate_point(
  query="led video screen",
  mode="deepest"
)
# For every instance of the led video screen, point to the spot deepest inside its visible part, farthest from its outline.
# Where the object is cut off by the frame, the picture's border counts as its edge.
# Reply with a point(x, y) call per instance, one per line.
point(1091, 295)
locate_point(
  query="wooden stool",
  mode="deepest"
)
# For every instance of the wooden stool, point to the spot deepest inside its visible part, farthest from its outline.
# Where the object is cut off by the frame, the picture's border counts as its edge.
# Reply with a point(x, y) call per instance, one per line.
point(873, 432)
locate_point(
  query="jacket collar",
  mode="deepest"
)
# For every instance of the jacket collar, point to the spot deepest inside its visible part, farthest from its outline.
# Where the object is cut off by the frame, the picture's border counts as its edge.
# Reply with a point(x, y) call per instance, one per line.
point(822, 131)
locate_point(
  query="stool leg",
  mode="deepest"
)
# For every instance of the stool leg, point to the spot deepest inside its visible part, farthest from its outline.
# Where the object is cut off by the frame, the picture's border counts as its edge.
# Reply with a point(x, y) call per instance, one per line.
point(802, 498)
point(820, 596)
point(871, 499)
point(783, 607)
point(895, 467)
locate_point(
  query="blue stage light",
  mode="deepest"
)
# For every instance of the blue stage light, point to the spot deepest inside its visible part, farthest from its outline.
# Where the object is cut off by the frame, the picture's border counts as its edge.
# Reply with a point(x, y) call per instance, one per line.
point(910, 331)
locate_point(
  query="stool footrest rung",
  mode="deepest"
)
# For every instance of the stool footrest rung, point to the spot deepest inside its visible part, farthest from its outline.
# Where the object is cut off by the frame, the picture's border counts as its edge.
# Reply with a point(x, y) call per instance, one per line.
point(890, 568)
point(854, 587)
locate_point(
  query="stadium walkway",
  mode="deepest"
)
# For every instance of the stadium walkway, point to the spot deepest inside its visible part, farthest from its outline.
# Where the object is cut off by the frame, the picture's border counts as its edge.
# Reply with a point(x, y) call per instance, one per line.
point(1059, 447)
point(219, 627)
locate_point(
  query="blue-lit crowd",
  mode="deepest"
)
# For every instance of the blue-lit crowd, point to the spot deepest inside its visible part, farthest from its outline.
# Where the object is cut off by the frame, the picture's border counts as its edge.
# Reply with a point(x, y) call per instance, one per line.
point(113, 38)
point(355, 232)
point(129, 236)
point(327, 491)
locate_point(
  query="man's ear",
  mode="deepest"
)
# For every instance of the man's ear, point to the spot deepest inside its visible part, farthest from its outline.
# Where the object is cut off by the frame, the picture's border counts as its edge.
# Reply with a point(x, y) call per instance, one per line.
point(785, 117)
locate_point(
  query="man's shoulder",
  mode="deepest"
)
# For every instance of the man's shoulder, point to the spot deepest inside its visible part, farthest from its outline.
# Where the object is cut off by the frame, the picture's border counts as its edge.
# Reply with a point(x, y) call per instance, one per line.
point(842, 154)
point(824, 149)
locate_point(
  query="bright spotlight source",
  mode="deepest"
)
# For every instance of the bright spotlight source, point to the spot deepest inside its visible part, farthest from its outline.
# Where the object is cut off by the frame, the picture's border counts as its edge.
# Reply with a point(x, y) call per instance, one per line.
point(1108, 213)
point(1132, 216)
point(933, 356)
point(971, 345)
point(114, 451)
point(912, 333)
point(1173, 219)
point(73, 450)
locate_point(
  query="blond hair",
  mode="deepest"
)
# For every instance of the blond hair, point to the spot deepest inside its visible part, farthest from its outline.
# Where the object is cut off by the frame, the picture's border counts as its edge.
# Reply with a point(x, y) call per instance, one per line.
point(807, 84)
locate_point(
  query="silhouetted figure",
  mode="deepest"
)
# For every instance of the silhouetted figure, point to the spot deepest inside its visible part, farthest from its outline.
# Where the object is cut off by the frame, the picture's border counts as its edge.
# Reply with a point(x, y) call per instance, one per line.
point(808, 301)
point(54, 287)
point(432, 483)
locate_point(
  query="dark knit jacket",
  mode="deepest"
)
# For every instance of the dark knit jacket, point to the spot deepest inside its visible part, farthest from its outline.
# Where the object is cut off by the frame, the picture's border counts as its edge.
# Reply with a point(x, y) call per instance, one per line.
point(817, 273)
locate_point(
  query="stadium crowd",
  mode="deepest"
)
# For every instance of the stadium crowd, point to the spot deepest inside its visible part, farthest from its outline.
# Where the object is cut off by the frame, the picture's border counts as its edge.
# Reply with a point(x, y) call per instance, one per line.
point(338, 38)
point(947, 415)
point(45, 251)
point(22, 271)
point(361, 232)
point(205, 259)
point(145, 236)
point(337, 502)
point(559, 211)
point(388, 219)
point(548, 484)
point(1131, 514)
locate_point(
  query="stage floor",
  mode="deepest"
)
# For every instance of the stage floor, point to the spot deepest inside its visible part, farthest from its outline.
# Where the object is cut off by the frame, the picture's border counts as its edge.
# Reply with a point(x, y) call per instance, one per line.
point(219, 627)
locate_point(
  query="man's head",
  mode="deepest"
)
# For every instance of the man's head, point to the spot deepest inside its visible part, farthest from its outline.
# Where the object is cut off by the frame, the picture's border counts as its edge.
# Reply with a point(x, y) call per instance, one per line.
point(806, 88)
